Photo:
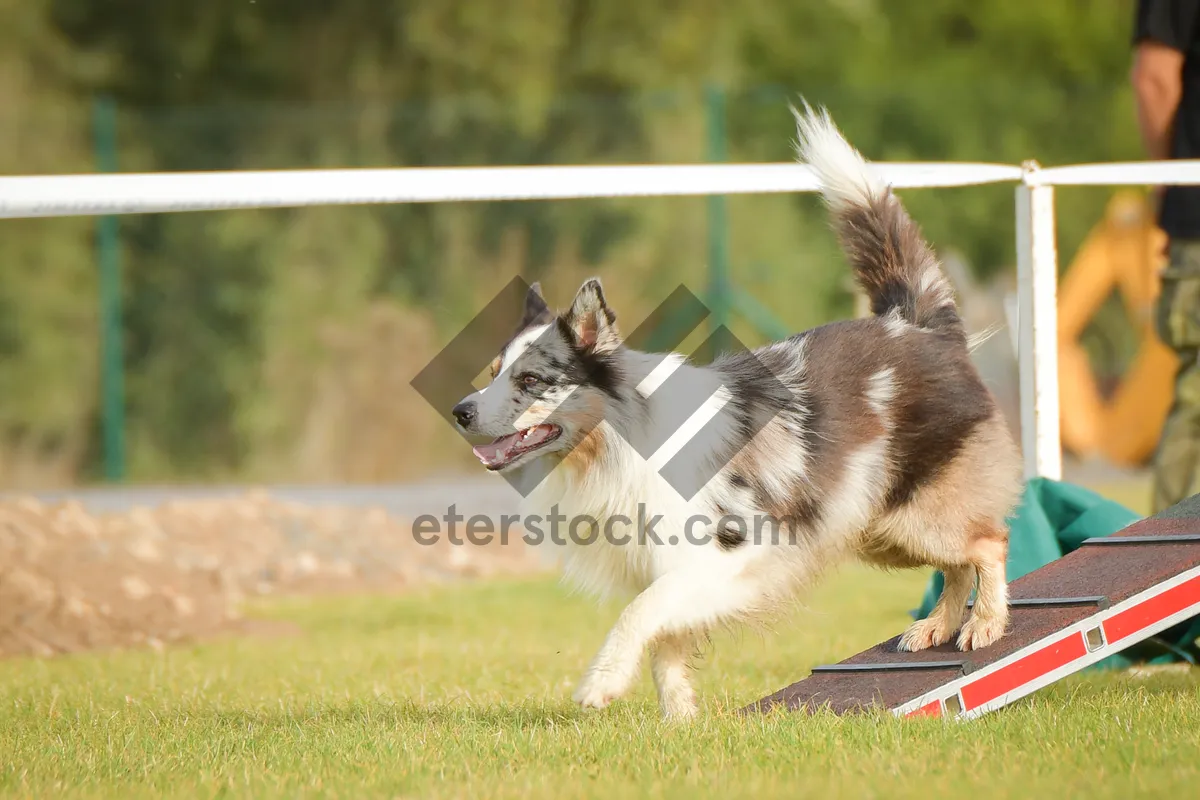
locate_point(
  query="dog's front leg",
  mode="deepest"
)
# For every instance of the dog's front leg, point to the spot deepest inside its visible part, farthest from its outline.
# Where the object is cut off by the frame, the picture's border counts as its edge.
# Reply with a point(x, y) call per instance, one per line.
point(677, 604)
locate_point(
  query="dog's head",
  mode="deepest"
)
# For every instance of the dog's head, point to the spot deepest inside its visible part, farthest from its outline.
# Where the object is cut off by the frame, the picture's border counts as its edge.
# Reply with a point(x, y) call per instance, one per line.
point(551, 384)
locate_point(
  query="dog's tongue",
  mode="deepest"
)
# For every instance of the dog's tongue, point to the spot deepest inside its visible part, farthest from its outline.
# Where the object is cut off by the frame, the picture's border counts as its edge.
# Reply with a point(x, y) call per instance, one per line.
point(499, 452)
point(506, 448)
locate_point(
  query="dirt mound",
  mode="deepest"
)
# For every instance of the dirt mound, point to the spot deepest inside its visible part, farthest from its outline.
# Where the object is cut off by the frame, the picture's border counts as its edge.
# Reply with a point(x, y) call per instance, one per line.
point(71, 580)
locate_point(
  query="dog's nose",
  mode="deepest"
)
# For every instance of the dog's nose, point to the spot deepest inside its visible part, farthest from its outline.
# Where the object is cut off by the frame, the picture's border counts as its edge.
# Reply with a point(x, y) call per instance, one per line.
point(464, 413)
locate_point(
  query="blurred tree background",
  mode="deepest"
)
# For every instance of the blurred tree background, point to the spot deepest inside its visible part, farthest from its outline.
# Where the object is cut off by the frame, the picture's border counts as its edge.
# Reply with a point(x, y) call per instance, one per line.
point(278, 344)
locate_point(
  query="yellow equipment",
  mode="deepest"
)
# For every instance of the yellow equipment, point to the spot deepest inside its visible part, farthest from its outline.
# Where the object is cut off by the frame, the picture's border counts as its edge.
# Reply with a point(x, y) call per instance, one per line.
point(1125, 251)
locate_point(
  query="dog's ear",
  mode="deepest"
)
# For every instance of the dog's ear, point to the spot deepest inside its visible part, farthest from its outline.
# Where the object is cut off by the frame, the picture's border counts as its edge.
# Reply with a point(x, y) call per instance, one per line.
point(536, 311)
point(591, 320)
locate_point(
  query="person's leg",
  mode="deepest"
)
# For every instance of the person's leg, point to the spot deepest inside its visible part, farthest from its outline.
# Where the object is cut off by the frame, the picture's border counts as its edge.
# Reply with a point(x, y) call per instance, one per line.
point(1177, 321)
point(1177, 458)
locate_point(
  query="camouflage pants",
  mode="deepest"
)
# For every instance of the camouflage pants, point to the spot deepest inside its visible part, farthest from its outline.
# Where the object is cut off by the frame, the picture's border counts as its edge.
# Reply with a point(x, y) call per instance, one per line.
point(1177, 321)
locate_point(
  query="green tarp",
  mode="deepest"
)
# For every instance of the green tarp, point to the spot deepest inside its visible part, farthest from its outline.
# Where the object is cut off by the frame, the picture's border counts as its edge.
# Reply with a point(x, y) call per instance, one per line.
point(1052, 519)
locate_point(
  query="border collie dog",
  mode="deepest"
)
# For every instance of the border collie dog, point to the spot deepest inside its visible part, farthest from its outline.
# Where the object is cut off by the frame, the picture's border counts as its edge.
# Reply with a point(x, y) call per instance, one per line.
point(872, 439)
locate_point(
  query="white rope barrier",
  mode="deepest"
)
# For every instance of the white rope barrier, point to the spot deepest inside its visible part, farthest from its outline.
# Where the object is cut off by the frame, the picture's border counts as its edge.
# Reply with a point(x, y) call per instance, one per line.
point(90, 195)
point(101, 194)
point(1133, 173)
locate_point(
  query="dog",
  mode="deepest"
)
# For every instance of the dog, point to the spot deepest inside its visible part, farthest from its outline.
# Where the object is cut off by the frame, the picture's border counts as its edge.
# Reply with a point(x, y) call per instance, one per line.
point(872, 439)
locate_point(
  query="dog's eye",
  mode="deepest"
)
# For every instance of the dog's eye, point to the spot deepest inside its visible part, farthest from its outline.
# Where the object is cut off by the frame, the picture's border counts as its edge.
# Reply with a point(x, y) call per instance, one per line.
point(529, 379)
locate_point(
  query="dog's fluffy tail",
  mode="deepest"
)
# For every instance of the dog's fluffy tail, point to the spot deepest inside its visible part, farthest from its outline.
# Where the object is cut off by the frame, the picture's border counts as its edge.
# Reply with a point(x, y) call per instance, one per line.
point(891, 261)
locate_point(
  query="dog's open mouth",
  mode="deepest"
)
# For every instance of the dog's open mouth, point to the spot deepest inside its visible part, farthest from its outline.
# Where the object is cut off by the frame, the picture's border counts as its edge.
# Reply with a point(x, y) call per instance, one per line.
point(507, 449)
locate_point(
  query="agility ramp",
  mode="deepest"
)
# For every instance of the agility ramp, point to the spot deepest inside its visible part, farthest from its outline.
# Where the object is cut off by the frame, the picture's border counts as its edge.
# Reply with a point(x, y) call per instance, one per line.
point(1108, 595)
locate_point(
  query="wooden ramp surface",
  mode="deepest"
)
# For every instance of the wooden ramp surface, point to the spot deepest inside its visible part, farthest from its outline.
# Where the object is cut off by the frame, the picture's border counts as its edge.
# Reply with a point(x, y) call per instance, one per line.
point(1105, 597)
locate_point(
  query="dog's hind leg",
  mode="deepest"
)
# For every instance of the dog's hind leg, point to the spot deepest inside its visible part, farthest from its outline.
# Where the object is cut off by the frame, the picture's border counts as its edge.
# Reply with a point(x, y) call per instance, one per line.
point(676, 697)
point(947, 614)
point(988, 551)
point(679, 602)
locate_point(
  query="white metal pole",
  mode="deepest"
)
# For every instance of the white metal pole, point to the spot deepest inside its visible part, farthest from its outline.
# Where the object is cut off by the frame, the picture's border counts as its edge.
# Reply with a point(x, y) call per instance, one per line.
point(1037, 288)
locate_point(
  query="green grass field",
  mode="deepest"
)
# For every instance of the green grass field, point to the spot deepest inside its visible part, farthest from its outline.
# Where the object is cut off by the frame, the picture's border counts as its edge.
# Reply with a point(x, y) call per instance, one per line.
point(465, 692)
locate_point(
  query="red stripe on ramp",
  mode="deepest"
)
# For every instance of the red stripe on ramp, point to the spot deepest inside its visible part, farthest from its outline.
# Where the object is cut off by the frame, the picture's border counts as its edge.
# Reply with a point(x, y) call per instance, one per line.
point(1152, 610)
point(1023, 670)
point(933, 709)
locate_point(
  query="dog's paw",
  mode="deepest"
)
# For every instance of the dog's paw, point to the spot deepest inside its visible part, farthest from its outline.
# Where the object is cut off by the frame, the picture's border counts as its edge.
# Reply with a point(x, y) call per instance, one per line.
point(923, 634)
point(600, 687)
point(979, 632)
